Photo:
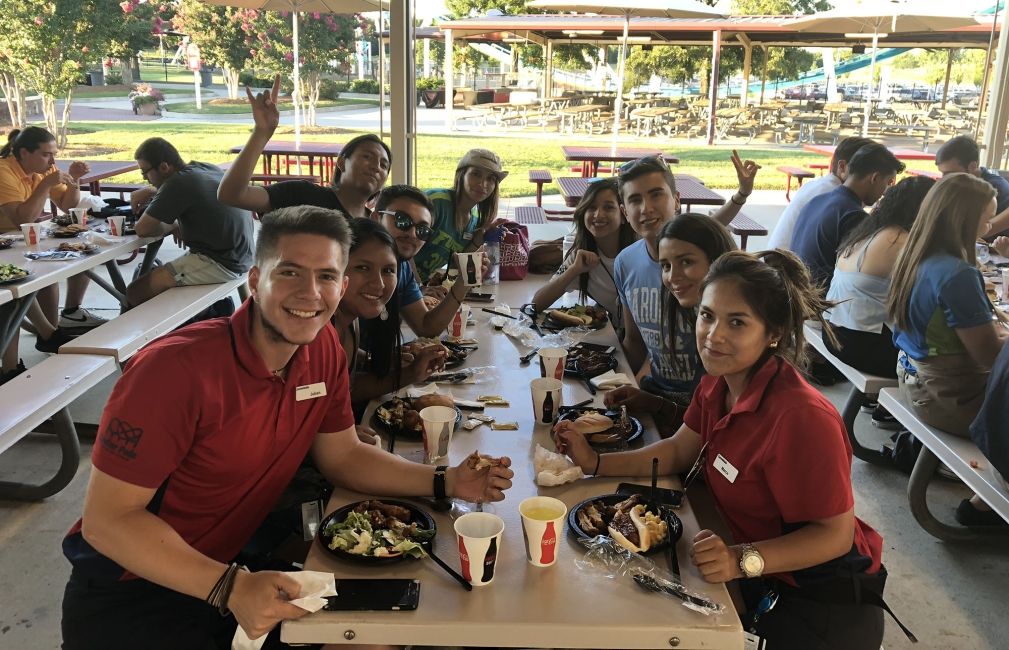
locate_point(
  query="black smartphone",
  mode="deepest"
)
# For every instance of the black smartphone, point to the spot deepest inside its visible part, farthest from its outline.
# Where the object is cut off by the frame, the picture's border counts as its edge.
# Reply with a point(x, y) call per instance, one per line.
point(374, 595)
point(665, 496)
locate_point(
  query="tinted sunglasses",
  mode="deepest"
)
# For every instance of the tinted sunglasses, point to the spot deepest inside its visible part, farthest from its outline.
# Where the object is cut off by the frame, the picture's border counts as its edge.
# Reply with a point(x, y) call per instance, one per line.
point(647, 160)
point(404, 222)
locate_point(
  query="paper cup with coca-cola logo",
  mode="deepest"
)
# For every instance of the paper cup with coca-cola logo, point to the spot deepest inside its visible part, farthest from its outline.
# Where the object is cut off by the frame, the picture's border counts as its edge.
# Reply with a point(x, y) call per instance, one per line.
point(79, 216)
point(32, 233)
point(116, 226)
point(479, 537)
point(552, 362)
point(457, 326)
point(542, 525)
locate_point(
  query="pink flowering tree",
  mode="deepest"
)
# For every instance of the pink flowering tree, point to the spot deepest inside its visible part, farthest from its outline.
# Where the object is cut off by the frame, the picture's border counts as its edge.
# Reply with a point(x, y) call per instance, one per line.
point(226, 36)
point(44, 46)
point(134, 27)
point(325, 43)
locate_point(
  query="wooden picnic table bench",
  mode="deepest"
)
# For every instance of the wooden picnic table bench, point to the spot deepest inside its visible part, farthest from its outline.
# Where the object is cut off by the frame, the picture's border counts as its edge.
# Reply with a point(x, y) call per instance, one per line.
point(799, 173)
point(961, 456)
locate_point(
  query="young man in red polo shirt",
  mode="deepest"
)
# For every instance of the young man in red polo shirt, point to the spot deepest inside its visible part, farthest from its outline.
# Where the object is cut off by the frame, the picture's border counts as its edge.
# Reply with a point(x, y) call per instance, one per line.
point(180, 483)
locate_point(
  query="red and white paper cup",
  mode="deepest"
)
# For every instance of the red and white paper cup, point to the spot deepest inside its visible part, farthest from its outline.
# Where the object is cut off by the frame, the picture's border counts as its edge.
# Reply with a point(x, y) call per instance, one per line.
point(79, 216)
point(479, 538)
point(457, 326)
point(542, 526)
point(547, 395)
point(32, 233)
point(552, 362)
point(116, 226)
point(439, 425)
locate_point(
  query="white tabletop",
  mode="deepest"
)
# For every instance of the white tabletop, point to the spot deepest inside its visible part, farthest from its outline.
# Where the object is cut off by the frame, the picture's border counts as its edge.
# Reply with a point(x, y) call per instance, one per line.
point(5, 296)
point(561, 606)
point(45, 273)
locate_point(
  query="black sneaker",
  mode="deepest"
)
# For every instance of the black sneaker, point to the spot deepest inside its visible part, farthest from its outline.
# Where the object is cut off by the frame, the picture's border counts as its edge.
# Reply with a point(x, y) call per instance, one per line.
point(824, 374)
point(881, 419)
point(869, 405)
point(52, 344)
point(968, 515)
point(11, 374)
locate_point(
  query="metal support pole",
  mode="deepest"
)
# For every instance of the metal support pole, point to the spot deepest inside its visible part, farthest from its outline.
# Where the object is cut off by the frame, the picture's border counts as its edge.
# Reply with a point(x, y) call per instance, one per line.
point(716, 59)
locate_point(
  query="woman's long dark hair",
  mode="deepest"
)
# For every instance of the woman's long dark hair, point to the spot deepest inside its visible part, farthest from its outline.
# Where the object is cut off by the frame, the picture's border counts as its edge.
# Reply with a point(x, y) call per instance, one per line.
point(714, 241)
point(898, 207)
point(384, 337)
point(585, 240)
point(30, 138)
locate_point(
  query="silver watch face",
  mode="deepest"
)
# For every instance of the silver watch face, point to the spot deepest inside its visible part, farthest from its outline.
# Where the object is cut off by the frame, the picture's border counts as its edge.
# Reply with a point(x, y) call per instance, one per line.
point(753, 564)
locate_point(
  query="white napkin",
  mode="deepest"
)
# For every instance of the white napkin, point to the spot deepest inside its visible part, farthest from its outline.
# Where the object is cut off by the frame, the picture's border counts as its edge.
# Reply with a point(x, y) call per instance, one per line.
point(93, 237)
point(553, 468)
point(315, 585)
point(611, 379)
point(414, 392)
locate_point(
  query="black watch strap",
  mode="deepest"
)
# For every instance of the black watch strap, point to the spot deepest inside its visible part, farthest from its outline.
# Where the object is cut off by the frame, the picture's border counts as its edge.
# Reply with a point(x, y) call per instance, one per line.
point(439, 482)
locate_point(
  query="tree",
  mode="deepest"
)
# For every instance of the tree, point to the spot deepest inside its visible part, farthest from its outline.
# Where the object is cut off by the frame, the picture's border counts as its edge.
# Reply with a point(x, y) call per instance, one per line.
point(468, 8)
point(46, 44)
point(134, 29)
point(325, 41)
point(225, 36)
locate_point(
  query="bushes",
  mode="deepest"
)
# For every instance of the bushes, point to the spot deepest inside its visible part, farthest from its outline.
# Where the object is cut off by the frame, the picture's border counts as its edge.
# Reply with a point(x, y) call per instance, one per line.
point(249, 78)
point(430, 83)
point(114, 78)
point(331, 89)
point(366, 87)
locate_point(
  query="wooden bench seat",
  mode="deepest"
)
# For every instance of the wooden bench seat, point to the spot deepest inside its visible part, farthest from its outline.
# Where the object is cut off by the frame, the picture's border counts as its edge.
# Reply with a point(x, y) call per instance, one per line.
point(47, 390)
point(744, 226)
point(530, 215)
point(862, 385)
point(799, 173)
point(540, 177)
point(820, 167)
point(122, 189)
point(125, 334)
point(267, 179)
point(957, 454)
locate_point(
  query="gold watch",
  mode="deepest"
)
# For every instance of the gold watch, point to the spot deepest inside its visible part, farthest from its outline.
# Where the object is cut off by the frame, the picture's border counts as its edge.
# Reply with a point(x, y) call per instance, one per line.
point(751, 562)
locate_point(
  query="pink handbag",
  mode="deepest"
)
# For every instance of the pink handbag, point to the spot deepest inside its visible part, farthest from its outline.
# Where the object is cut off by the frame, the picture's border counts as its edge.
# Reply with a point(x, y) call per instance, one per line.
point(514, 251)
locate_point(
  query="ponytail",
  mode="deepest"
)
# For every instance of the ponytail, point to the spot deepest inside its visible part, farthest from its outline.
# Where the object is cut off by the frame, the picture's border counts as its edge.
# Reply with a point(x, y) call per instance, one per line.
point(778, 287)
point(8, 148)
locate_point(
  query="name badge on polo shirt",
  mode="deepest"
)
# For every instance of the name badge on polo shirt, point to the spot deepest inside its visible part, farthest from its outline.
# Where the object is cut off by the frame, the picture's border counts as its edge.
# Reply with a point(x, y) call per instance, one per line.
point(725, 468)
point(310, 391)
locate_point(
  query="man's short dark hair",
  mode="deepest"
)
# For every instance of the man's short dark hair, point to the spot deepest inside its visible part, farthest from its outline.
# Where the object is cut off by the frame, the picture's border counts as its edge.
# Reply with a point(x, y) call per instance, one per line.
point(643, 166)
point(962, 149)
point(874, 159)
point(155, 151)
point(302, 220)
point(846, 149)
point(409, 192)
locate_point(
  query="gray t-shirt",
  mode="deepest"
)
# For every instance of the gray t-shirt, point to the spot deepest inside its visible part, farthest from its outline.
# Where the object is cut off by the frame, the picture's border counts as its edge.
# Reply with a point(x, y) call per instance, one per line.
point(221, 232)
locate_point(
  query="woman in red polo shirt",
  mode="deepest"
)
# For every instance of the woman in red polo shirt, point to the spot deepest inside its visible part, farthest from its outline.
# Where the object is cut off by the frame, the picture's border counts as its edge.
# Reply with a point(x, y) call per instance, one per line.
point(777, 459)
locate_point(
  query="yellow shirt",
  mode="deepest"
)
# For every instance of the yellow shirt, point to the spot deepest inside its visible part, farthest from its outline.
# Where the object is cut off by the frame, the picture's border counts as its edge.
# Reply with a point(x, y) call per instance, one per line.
point(16, 186)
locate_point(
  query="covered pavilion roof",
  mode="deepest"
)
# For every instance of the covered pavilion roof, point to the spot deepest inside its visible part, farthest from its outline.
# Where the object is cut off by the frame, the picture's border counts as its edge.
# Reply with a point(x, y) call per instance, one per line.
point(760, 30)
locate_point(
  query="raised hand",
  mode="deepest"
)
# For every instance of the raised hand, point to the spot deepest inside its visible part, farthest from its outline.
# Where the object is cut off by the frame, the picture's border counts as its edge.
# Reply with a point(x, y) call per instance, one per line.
point(585, 261)
point(746, 172)
point(265, 113)
point(78, 169)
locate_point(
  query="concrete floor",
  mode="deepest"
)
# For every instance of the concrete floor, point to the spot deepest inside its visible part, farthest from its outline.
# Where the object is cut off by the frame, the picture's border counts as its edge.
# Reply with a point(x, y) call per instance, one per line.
point(950, 595)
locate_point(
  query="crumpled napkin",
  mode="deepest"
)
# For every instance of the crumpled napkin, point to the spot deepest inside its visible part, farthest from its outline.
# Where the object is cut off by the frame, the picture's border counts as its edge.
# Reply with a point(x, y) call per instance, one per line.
point(414, 392)
point(611, 379)
point(315, 585)
point(553, 468)
point(93, 237)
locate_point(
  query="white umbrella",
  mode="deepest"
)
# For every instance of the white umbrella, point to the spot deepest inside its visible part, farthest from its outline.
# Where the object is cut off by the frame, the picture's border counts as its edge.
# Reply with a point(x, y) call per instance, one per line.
point(295, 6)
point(880, 19)
point(628, 8)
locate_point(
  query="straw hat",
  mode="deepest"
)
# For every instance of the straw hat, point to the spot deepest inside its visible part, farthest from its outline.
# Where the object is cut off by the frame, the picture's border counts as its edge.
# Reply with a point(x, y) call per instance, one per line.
point(484, 159)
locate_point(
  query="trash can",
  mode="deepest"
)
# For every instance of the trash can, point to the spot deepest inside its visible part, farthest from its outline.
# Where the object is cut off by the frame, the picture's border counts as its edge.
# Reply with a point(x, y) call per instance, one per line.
point(96, 78)
point(206, 76)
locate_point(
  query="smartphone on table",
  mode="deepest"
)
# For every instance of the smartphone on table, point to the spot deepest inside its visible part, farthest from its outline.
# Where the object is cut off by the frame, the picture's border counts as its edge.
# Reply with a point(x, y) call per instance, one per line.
point(374, 595)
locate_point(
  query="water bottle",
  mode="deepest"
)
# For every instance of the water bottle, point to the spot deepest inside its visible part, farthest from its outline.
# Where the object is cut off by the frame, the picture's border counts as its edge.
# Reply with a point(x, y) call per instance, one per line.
point(569, 241)
point(492, 247)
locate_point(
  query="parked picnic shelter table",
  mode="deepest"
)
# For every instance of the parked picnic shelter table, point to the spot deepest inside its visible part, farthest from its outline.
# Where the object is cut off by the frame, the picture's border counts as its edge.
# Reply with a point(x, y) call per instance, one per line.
point(900, 152)
point(590, 157)
point(690, 188)
point(45, 273)
point(563, 606)
point(100, 170)
point(326, 152)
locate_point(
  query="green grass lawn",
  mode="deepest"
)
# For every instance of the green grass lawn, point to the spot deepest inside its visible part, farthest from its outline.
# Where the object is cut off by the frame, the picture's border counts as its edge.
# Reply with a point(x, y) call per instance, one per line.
point(104, 94)
point(437, 154)
point(232, 109)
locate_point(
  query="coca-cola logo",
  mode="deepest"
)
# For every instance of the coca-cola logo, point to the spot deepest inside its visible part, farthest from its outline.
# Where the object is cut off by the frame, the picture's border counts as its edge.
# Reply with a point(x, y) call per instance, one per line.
point(548, 541)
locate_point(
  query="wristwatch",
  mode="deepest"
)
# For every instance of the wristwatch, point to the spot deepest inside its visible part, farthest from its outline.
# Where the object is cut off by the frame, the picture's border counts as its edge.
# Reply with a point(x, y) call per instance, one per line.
point(751, 562)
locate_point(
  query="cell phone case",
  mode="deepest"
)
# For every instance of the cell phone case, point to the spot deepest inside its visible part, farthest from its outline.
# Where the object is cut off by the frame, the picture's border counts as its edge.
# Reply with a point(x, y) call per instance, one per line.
point(374, 595)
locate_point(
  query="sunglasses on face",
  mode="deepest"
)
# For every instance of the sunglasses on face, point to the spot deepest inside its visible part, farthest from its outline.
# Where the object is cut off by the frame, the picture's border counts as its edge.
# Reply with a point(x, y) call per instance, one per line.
point(404, 222)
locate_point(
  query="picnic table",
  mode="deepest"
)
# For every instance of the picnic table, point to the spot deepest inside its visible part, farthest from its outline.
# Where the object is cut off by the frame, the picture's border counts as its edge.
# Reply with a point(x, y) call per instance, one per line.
point(559, 606)
point(573, 117)
point(899, 152)
point(590, 157)
point(326, 152)
point(100, 170)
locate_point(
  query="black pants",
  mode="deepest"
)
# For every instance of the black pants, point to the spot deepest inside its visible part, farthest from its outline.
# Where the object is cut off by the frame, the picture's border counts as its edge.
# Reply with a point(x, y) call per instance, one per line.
point(796, 623)
point(135, 614)
point(866, 351)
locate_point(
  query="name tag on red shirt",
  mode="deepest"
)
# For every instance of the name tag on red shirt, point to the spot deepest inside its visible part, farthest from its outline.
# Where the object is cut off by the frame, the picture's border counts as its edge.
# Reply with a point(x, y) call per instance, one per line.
point(310, 391)
point(725, 468)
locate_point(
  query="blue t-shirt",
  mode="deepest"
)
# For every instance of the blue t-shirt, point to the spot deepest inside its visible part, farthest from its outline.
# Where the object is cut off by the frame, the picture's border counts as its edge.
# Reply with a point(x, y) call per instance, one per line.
point(447, 239)
point(989, 431)
point(406, 285)
point(821, 226)
point(639, 285)
point(948, 294)
point(1001, 186)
